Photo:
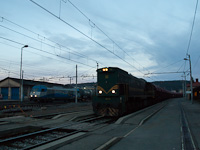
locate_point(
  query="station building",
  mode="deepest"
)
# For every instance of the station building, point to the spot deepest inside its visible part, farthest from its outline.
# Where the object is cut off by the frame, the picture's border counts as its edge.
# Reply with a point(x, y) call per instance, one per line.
point(10, 88)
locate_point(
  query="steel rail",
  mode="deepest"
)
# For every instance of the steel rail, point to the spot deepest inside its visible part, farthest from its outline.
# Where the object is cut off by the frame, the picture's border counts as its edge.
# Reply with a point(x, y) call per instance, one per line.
point(49, 141)
point(43, 131)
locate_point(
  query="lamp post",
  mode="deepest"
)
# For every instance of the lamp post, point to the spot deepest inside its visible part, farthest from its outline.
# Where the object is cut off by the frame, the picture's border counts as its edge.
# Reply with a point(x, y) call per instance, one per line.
point(76, 87)
point(191, 89)
point(21, 86)
point(184, 85)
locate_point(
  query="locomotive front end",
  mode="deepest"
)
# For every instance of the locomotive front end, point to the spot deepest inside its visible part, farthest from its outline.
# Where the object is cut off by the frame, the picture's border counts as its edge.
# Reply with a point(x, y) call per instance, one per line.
point(37, 92)
point(108, 101)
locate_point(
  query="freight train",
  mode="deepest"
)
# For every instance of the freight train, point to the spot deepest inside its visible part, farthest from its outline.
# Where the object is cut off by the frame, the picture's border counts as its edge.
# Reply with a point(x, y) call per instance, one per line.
point(42, 93)
point(119, 93)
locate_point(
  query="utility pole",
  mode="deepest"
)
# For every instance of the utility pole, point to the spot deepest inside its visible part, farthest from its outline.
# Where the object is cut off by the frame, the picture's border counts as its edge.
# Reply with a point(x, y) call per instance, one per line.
point(191, 88)
point(184, 85)
point(22, 90)
point(70, 79)
point(76, 86)
point(97, 79)
point(97, 65)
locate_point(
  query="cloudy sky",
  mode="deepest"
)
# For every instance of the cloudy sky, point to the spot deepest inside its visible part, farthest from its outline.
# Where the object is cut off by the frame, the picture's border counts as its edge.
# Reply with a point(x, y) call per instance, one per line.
point(147, 38)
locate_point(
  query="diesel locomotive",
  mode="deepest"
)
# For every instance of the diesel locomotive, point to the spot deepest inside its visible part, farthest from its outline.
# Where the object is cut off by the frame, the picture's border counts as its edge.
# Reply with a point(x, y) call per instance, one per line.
point(119, 93)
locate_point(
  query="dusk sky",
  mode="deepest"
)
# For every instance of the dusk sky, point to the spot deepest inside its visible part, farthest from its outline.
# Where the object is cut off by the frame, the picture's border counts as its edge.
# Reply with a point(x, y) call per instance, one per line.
point(147, 38)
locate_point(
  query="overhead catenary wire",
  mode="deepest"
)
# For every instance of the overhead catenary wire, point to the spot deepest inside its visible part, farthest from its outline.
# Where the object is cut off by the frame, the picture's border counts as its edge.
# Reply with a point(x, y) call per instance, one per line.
point(29, 52)
point(191, 33)
point(193, 22)
point(156, 71)
point(43, 37)
point(39, 40)
point(181, 66)
point(196, 62)
point(46, 52)
point(86, 35)
point(30, 66)
point(9, 71)
point(94, 25)
point(100, 42)
point(3, 18)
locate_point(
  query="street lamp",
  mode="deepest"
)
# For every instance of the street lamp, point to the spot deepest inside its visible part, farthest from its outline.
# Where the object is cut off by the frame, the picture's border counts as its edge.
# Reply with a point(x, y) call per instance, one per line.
point(21, 85)
point(191, 89)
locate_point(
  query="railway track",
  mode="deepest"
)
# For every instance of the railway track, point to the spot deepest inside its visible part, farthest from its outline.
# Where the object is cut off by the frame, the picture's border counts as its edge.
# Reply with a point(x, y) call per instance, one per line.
point(15, 109)
point(48, 136)
point(58, 114)
point(35, 139)
point(45, 136)
point(8, 109)
point(14, 106)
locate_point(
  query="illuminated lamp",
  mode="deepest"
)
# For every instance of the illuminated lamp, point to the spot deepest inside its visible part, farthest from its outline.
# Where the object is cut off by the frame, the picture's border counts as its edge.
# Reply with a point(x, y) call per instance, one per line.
point(113, 91)
point(100, 92)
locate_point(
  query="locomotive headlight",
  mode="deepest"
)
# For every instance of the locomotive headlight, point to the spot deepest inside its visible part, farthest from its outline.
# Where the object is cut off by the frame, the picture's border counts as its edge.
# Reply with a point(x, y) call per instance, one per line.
point(35, 95)
point(105, 69)
point(113, 91)
point(31, 95)
point(100, 92)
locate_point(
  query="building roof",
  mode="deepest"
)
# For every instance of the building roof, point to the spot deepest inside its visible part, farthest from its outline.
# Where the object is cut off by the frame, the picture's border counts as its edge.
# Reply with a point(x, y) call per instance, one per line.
point(194, 84)
point(32, 82)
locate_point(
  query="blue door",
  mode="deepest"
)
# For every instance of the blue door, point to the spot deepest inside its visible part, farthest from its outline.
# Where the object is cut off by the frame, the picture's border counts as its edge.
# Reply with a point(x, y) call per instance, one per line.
point(4, 92)
point(15, 93)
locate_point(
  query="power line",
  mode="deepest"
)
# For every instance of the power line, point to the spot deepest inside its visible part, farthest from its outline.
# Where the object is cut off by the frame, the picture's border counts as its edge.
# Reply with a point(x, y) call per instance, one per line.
point(9, 71)
point(30, 66)
point(27, 50)
point(90, 21)
point(46, 52)
point(70, 50)
point(165, 72)
point(154, 72)
point(85, 35)
point(36, 39)
point(192, 28)
point(29, 74)
point(35, 33)
point(181, 66)
point(196, 62)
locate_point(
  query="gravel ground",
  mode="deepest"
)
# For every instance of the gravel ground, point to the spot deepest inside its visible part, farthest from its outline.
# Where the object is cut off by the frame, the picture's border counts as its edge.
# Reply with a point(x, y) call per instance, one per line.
point(50, 108)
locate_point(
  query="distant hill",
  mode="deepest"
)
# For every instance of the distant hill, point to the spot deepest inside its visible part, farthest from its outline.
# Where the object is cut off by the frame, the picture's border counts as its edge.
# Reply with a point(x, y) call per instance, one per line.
point(176, 85)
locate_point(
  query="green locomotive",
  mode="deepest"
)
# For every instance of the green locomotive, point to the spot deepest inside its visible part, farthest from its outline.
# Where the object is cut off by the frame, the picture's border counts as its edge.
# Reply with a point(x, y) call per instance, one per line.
point(120, 93)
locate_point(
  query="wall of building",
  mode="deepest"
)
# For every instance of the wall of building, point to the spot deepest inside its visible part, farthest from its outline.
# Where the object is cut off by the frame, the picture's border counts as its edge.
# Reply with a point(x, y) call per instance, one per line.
point(10, 89)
